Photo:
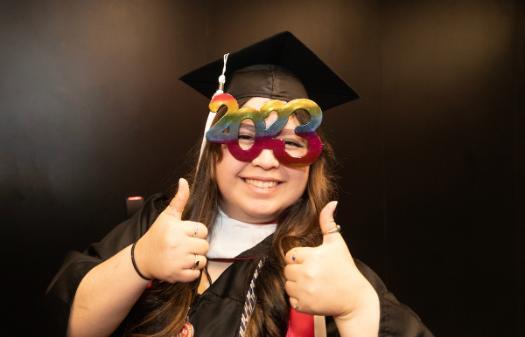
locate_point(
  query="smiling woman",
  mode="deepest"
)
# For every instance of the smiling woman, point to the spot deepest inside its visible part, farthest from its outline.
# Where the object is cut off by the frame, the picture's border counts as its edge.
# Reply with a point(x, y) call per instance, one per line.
point(274, 263)
point(259, 190)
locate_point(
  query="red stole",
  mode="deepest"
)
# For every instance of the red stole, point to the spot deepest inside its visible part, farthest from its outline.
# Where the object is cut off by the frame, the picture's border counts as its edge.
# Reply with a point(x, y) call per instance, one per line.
point(300, 324)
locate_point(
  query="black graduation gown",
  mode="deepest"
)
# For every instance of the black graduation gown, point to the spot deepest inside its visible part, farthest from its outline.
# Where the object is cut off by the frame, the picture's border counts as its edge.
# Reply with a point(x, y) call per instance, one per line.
point(217, 311)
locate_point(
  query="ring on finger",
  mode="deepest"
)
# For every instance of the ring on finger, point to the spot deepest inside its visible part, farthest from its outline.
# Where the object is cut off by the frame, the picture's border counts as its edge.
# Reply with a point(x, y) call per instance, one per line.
point(196, 263)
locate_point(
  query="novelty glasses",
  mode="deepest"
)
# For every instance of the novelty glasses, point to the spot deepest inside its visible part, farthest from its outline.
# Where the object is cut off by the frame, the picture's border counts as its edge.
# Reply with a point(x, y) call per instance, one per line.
point(245, 133)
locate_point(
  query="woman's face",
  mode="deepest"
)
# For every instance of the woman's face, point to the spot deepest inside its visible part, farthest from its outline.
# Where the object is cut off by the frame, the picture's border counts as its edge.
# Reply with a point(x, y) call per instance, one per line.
point(258, 191)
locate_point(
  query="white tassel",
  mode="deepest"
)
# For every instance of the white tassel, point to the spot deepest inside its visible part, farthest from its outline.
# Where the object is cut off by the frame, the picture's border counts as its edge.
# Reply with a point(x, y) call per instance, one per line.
point(211, 115)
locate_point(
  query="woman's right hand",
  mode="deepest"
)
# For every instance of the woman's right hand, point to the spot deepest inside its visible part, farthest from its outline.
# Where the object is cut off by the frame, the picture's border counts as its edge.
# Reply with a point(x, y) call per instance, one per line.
point(173, 250)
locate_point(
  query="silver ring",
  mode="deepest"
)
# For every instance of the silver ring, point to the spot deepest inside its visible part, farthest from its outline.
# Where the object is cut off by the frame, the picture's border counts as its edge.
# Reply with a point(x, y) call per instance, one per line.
point(196, 263)
point(335, 229)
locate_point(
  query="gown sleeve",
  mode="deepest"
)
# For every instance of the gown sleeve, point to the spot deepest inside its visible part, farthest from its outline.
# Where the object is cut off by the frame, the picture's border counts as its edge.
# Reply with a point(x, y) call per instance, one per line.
point(62, 289)
point(396, 319)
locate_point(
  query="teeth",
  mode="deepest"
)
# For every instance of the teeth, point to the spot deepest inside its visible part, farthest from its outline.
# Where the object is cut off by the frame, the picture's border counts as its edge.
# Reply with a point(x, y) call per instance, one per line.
point(261, 184)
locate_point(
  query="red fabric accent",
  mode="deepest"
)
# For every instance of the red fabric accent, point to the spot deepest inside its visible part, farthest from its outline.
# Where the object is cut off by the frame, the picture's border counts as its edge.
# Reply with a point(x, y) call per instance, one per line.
point(300, 324)
point(231, 259)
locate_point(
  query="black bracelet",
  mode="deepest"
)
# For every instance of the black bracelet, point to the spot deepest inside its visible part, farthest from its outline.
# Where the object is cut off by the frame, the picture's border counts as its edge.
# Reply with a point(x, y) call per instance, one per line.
point(135, 263)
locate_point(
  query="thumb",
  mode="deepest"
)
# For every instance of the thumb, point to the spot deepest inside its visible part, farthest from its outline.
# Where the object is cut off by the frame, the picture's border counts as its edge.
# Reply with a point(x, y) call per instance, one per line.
point(181, 198)
point(327, 222)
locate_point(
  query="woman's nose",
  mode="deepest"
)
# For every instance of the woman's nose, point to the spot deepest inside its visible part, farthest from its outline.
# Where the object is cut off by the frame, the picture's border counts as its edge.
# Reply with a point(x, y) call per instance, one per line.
point(266, 160)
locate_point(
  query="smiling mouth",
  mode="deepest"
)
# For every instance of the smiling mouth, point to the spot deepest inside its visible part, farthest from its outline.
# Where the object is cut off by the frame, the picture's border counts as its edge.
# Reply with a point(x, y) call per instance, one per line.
point(267, 184)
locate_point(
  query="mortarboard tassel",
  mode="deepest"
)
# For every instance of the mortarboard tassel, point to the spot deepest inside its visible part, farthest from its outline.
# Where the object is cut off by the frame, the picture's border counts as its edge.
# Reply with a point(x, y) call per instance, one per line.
point(211, 114)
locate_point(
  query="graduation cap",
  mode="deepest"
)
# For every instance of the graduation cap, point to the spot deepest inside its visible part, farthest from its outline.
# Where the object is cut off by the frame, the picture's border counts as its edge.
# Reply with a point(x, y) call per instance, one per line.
point(279, 67)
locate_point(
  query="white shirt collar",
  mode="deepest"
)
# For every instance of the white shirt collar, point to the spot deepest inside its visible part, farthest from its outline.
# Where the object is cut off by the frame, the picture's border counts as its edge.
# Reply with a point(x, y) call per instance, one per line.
point(231, 237)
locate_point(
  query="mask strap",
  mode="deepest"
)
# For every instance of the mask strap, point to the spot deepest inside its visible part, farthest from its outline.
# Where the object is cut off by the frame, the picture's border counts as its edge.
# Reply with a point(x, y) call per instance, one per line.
point(211, 115)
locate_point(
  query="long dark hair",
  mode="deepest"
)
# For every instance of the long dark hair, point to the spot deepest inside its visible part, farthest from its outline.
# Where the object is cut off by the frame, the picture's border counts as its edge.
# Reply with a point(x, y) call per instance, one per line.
point(167, 304)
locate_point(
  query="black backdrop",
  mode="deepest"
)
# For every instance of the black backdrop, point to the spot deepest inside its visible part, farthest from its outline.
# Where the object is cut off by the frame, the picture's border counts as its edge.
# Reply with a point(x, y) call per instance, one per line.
point(431, 158)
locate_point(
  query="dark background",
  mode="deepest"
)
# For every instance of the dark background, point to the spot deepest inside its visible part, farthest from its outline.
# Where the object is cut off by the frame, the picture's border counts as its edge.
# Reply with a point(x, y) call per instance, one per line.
point(431, 157)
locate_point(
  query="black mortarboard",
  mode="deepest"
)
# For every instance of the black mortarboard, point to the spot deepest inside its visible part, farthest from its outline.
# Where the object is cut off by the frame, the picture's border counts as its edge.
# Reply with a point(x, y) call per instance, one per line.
point(280, 51)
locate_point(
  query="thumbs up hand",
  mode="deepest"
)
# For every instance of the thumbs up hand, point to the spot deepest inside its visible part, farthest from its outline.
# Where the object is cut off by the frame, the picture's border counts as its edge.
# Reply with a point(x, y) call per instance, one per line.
point(173, 250)
point(324, 280)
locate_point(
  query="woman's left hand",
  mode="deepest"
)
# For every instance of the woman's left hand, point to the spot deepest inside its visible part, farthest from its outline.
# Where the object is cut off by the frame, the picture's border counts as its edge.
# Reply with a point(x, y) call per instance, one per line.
point(324, 280)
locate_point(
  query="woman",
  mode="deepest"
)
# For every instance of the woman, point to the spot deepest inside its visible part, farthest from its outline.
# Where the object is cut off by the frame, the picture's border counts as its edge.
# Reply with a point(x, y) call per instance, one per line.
point(253, 245)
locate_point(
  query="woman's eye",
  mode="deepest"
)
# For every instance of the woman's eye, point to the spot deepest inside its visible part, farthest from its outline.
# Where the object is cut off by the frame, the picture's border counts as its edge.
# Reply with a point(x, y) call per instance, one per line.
point(246, 140)
point(294, 143)
point(245, 137)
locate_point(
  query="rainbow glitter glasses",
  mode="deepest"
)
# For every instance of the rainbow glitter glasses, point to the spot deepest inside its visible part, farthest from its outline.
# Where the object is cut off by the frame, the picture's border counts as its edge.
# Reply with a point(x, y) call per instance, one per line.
point(245, 133)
